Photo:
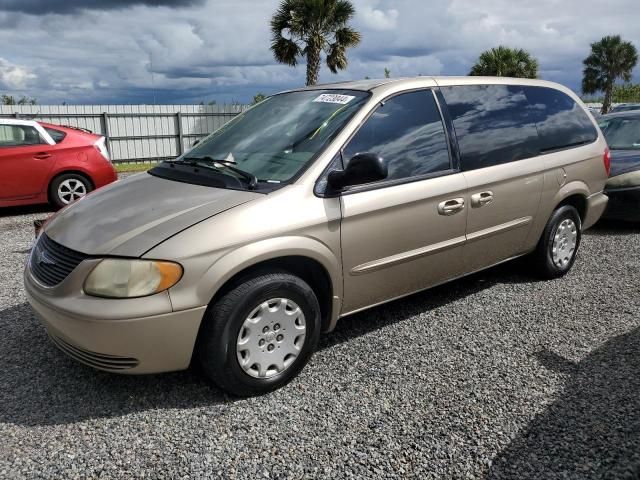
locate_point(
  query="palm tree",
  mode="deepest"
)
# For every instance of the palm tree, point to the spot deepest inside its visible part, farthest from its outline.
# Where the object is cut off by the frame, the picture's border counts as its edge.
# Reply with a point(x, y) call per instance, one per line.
point(506, 62)
point(306, 28)
point(610, 59)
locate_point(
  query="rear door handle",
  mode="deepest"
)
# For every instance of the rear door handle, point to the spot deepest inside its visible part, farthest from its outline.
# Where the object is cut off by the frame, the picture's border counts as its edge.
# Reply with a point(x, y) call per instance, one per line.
point(451, 207)
point(41, 156)
point(481, 199)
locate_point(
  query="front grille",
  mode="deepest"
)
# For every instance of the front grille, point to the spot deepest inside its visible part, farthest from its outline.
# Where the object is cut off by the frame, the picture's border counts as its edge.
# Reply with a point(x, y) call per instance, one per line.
point(51, 263)
point(93, 359)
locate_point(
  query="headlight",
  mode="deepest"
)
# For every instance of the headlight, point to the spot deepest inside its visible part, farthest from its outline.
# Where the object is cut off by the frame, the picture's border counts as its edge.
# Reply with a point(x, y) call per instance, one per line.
point(123, 278)
point(630, 179)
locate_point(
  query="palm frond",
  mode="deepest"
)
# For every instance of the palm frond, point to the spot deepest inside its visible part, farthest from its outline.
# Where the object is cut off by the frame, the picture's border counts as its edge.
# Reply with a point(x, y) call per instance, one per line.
point(337, 58)
point(285, 51)
point(343, 11)
point(347, 37)
point(503, 61)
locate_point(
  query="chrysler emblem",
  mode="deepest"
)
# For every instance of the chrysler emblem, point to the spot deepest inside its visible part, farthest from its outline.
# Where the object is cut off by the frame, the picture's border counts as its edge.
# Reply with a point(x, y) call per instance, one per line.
point(42, 258)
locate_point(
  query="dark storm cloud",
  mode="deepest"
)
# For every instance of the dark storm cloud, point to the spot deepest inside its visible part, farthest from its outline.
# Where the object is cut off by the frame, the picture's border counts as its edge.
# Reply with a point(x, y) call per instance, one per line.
point(42, 7)
point(131, 51)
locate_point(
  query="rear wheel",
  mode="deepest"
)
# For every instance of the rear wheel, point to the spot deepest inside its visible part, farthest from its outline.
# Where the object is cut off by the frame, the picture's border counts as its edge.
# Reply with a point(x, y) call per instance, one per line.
point(68, 188)
point(557, 249)
point(260, 334)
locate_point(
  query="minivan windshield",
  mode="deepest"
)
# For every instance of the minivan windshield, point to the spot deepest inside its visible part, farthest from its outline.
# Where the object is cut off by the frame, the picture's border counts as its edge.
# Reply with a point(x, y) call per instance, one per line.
point(277, 138)
point(622, 133)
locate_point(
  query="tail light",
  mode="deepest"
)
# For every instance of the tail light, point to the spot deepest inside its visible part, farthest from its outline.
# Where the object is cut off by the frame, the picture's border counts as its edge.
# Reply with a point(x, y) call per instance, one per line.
point(606, 158)
point(101, 146)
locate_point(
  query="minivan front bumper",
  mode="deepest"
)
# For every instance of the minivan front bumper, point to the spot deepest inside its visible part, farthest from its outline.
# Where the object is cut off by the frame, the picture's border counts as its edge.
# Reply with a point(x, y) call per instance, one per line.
point(148, 344)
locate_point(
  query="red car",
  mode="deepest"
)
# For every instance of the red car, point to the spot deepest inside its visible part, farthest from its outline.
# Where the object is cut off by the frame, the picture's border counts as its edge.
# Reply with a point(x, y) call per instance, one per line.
point(42, 163)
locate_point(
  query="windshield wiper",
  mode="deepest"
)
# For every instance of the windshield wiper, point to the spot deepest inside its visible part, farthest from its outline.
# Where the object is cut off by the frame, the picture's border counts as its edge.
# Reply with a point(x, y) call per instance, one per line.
point(251, 179)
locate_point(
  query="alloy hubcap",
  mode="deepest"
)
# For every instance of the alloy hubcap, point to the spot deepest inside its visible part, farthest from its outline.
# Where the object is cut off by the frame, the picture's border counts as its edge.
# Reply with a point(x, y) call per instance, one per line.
point(271, 338)
point(71, 190)
point(564, 243)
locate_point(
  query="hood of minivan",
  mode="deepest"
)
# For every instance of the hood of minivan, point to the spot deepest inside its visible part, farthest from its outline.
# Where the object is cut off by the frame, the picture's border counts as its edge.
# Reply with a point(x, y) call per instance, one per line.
point(624, 161)
point(133, 215)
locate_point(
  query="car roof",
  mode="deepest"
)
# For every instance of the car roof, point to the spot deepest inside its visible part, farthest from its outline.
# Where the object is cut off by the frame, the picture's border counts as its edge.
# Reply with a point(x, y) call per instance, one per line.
point(17, 121)
point(395, 84)
point(626, 113)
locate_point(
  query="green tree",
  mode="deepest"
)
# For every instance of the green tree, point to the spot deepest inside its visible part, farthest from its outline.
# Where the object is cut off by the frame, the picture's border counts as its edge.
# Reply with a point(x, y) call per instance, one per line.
point(387, 73)
point(306, 28)
point(506, 62)
point(626, 93)
point(611, 58)
point(11, 100)
point(258, 97)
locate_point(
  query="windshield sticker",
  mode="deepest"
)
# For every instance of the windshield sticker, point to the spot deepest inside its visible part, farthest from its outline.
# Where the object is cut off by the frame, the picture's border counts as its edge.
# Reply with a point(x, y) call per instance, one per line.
point(334, 98)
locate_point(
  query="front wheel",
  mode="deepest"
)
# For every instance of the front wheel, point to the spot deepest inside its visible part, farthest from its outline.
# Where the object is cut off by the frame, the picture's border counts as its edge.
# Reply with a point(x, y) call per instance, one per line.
point(260, 334)
point(556, 251)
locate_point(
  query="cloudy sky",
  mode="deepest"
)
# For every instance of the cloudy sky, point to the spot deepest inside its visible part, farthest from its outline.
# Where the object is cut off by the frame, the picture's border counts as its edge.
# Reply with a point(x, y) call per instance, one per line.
point(100, 51)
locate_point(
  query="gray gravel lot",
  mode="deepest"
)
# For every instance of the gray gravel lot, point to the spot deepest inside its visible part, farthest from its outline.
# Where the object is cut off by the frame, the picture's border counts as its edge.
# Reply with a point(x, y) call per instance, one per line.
point(494, 375)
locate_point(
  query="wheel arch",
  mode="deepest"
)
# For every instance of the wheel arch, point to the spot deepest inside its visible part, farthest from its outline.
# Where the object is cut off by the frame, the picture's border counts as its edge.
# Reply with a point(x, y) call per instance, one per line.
point(574, 193)
point(578, 201)
point(309, 259)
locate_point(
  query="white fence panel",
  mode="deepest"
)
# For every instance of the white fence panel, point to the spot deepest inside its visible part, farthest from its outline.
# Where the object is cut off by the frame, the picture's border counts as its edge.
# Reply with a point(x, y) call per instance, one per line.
point(135, 132)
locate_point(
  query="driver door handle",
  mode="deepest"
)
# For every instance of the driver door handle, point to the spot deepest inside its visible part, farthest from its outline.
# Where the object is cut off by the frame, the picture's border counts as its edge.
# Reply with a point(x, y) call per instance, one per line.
point(451, 207)
point(481, 199)
point(41, 155)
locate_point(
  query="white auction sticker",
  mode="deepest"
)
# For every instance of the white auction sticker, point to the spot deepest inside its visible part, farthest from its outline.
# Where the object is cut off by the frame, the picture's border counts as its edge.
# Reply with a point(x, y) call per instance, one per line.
point(334, 98)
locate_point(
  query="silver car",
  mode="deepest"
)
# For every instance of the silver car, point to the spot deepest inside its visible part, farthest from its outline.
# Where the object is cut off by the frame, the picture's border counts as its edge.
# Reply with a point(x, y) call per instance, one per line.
point(312, 205)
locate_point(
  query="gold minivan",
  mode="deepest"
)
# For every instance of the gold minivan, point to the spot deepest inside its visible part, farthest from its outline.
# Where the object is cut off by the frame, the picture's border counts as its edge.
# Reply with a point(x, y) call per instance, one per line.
point(315, 204)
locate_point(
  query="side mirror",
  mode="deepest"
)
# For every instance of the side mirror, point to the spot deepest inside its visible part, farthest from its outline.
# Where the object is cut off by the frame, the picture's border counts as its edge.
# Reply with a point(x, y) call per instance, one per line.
point(362, 168)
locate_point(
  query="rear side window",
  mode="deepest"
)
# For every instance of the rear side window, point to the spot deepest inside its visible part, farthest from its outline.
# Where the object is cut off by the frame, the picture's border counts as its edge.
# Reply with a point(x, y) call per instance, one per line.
point(56, 135)
point(562, 123)
point(494, 124)
point(19, 135)
point(407, 132)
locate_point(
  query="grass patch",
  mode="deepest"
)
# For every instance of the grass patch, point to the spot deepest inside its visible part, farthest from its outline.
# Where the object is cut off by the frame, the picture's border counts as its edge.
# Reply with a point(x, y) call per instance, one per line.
point(133, 167)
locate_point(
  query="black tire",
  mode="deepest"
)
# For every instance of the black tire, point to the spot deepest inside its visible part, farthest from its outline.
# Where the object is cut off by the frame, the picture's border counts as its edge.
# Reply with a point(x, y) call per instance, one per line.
point(217, 340)
point(55, 198)
point(542, 257)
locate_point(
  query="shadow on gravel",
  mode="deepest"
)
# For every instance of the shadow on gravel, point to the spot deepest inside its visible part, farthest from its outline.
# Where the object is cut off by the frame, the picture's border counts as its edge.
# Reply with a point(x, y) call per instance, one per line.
point(352, 326)
point(45, 209)
point(593, 429)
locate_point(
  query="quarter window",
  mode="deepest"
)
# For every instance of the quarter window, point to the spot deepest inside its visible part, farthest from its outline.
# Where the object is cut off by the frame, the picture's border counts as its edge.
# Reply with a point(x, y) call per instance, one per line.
point(56, 135)
point(494, 124)
point(19, 135)
point(562, 123)
point(407, 132)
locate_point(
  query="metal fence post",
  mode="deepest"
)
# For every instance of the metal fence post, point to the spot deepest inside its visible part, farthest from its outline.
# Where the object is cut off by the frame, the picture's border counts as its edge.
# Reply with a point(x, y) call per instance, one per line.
point(105, 129)
point(180, 135)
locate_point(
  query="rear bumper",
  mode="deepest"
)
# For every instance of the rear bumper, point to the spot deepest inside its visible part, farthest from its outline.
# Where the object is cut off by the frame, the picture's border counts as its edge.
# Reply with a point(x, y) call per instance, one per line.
point(149, 344)
point(104, 174)
point(596, 205)
point(624, 204)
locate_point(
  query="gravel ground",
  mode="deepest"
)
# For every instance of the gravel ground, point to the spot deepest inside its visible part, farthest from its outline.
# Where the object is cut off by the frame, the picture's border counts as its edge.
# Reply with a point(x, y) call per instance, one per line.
point(495, 375)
